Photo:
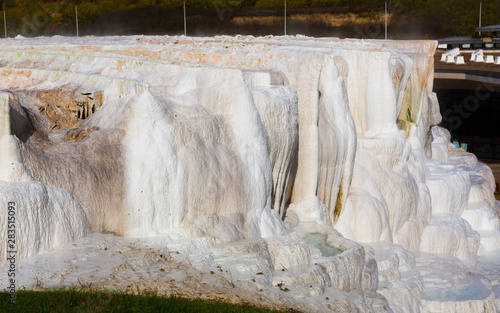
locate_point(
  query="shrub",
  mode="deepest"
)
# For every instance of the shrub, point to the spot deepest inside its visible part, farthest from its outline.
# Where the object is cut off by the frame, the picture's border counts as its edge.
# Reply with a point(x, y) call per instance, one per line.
point(88, 12)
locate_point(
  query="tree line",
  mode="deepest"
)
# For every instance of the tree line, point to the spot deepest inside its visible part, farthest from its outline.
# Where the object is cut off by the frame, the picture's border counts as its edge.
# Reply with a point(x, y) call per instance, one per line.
point(435, 18)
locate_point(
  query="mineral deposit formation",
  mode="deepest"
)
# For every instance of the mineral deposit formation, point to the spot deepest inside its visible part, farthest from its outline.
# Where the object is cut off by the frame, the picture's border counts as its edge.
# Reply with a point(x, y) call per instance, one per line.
point(310, 172)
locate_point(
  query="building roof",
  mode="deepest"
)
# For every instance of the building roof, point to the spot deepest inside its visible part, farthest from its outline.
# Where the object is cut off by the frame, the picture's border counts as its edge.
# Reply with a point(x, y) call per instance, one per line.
point(491, 28)
point(467, 40)
point(460, 40)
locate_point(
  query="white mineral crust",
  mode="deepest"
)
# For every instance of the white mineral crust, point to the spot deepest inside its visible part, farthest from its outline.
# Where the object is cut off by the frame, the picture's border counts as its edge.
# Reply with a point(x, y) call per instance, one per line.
point(296, 172)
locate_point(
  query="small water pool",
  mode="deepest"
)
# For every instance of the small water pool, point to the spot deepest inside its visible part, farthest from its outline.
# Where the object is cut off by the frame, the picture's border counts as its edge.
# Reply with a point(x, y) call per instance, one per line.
point(318, 240)
point(473, 291)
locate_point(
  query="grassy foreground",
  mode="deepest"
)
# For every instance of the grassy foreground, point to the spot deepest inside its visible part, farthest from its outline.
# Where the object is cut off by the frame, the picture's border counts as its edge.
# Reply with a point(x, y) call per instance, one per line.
point(74, 300)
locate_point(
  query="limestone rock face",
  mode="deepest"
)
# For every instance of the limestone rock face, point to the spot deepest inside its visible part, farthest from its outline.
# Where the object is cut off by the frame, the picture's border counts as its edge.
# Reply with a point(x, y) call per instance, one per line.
point(233, 139)
point(44, 217)
point(265, 129)
point(278, 113)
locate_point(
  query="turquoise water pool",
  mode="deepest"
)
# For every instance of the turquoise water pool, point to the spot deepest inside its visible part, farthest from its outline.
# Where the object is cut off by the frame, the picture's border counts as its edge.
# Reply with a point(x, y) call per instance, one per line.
point(318, 240)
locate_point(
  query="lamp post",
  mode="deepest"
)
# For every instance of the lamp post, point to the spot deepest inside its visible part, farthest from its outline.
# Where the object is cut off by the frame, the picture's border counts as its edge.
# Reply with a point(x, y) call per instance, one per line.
point(285, 17)
point(4, 7)
point(76, 15)
point(480, 11)
point(386, 20)
point(184, 10)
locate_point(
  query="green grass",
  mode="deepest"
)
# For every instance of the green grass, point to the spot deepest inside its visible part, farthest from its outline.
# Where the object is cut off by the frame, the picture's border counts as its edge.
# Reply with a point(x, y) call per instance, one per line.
point(74, 300)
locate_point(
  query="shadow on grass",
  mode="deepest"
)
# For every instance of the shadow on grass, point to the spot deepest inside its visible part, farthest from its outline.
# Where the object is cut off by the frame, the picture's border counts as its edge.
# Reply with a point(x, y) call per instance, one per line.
point(85, 300)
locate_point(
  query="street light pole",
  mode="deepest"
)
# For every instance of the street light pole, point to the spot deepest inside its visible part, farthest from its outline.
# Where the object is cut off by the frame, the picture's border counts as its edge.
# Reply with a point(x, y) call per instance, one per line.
point(285, 17)
point(76, 14)
point(386, 20)
point(480, 11)
point(4, 7)
point(184, 9)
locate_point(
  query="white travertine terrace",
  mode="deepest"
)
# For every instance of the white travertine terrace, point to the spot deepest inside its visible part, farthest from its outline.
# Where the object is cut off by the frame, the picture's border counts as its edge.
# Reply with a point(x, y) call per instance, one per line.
point(244, 147)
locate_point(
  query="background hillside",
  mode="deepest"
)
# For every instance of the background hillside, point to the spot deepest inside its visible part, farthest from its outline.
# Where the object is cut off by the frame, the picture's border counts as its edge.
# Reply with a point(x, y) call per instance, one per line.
point(408, 19)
